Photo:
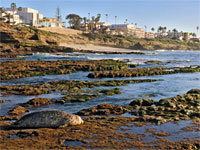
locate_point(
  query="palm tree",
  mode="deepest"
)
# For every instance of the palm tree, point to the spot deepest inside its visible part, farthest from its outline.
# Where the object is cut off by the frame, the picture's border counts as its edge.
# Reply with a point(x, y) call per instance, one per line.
point(106, 17)
point(152, 29)
point(20, 10)
point(197, 29)
point(136, 25)
point(164, 29)
point(160, 29)
point(13, 6)
point(126, 21)
point(89, 16)
point(97, 19)
point(115, 20)
point(175, 31)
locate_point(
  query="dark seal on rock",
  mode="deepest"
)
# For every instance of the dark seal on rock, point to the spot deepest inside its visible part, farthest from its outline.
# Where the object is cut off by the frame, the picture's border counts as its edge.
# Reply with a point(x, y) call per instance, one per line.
point(47, 119)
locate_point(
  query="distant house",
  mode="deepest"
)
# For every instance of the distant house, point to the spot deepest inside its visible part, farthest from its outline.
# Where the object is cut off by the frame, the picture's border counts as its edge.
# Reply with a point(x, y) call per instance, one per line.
point(10, 17)
point(125, 27)
point(138, 33)
point(50, 22)
point(149, 35)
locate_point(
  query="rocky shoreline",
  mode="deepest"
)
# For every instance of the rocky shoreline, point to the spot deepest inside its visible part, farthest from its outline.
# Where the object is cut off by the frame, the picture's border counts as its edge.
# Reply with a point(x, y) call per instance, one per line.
point(100, 128)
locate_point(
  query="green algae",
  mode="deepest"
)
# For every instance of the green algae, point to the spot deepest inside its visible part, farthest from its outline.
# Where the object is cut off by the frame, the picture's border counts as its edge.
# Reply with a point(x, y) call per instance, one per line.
point(137, 72)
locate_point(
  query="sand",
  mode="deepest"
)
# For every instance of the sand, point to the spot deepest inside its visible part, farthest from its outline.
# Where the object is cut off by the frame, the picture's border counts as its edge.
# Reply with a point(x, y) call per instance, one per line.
point(67, 31)
point(94, 47)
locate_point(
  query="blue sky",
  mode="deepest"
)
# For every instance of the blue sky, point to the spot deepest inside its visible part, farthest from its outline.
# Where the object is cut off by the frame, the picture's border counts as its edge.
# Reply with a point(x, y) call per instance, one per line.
point(183, 15)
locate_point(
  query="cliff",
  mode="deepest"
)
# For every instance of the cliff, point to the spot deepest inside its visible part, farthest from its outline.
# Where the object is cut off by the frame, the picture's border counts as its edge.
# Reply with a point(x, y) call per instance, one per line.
point(26, 40)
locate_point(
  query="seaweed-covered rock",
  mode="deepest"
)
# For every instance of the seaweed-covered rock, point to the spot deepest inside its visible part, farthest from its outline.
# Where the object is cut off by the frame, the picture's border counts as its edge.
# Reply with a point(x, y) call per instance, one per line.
point(19, 110)
point(194, 91)
point(103, 109)
point(37, 102)
point(142, 102)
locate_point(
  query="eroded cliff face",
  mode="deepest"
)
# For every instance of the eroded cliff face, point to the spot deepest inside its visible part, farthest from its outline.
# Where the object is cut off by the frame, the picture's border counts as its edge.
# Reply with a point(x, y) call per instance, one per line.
point(26, 40)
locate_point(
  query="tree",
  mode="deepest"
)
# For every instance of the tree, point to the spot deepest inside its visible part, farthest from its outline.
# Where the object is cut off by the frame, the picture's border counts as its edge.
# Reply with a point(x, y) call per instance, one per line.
point(136, 25)
point(106, 17)
point(197, 29)
point(126, 21)
point(74, 20)
point(194, 35)
point(88, 16)
point(164, 29)
point(160, 29)
point(115, 20)
point(13, 6)
point(175, 31)
point(20, 10)
point(96, 20)
point(84, 20)
point(152, 29)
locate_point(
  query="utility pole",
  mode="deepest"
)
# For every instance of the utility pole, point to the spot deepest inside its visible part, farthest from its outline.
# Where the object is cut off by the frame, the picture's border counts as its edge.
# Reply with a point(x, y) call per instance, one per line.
point(115, 20)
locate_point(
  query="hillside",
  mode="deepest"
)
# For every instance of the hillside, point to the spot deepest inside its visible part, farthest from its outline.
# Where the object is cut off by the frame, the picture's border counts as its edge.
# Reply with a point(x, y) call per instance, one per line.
point(26, 40)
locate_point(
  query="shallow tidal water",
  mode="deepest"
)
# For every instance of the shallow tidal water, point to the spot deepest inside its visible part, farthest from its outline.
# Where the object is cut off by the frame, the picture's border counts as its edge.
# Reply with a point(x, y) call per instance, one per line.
point(171, 85)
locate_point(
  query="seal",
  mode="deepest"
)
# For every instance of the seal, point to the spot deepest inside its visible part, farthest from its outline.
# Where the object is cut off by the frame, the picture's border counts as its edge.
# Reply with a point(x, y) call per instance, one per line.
point(47, 119)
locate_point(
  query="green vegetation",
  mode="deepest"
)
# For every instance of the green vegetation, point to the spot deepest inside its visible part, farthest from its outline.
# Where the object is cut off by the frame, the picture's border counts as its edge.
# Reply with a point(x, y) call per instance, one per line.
point(137, 72)
point(111, 92)
point(13, 70)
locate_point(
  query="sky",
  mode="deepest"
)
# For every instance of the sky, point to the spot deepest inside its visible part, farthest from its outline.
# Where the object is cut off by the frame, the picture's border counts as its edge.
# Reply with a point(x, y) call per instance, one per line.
point(183, 15)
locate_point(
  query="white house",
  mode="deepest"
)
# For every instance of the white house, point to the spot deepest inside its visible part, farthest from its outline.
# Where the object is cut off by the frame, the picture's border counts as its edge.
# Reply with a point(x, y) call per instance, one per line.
point(50, 22)
point(28, 16)
point(125, 27)
point(7, 16)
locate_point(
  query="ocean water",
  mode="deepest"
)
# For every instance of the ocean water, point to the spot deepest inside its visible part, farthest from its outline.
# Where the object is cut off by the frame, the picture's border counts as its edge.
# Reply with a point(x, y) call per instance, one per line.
point(172, 85)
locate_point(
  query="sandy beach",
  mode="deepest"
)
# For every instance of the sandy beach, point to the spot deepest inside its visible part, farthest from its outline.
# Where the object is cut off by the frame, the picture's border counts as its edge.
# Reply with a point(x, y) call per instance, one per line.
point(94, 47)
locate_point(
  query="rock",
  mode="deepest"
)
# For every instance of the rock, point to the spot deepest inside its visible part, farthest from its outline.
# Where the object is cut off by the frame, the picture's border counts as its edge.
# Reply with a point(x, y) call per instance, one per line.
point(194, 91)
point(47, 119)
point(2, 101)
point(19, 110)
point(137, 46)
point(103, 109)
point(37, 102)
point(142, 102)
point(9, 117)
point(22, 134)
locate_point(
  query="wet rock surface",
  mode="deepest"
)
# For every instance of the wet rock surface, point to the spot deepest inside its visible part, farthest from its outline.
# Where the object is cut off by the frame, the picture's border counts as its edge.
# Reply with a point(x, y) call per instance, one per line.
point(62, 86)
point(96, 133)
point(103, 109)
point(18, 110)
point(137, 72)
point(180, 107)
point(21, 69)
point(36, 102)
